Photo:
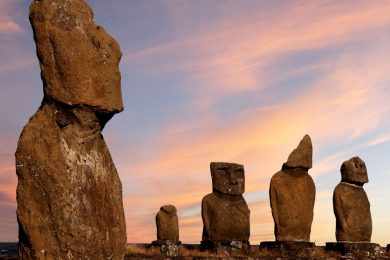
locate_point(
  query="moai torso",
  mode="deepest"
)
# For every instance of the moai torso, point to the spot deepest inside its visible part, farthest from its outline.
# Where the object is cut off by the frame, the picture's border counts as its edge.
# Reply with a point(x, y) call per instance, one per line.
point(351, 205)
point(69, 193)
point(167, 224)
point(292, 196)
point(225, 213)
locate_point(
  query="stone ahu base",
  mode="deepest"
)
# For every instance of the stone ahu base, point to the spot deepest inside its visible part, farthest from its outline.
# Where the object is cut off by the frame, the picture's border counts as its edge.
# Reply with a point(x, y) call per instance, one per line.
point(349, 248)
point(266, 250)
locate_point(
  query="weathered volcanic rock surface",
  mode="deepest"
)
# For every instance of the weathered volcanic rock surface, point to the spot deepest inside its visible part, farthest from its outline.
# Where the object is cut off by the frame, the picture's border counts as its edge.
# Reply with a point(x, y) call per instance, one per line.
point(292, 195)
point(69, 194)
point(351, 205)
point(167, 224)
point(225, 213)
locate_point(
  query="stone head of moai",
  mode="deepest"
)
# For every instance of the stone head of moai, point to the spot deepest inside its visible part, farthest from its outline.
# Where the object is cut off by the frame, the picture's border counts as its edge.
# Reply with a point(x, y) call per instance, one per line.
point(302, 156)
point(79, 59)
point(167, 224)
point(354, 171)
point(228, 178)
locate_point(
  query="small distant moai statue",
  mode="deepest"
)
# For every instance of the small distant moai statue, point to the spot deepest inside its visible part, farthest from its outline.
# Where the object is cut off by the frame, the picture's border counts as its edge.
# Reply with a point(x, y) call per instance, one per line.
point(167, 225)
point(292, 195)
point(351, 205)
point(225, 212)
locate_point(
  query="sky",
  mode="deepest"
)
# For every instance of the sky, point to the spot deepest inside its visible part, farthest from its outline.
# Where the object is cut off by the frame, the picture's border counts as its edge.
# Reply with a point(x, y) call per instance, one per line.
point(236, 81)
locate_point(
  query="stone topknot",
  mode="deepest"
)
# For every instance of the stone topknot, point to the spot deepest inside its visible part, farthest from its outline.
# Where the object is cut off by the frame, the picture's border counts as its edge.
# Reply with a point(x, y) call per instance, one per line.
point(302, 156)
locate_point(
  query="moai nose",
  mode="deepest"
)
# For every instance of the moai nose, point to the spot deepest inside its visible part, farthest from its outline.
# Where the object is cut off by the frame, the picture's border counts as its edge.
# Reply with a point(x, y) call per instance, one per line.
point(232, 178)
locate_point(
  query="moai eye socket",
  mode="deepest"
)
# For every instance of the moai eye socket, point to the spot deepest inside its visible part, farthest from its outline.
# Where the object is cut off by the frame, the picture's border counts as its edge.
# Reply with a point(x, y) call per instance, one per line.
point(222, 170)
point(238, 174)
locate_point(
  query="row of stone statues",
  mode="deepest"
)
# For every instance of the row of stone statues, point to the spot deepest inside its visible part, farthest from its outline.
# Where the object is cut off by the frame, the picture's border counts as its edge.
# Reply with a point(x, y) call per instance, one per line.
point(69, 194)
point(225, 213)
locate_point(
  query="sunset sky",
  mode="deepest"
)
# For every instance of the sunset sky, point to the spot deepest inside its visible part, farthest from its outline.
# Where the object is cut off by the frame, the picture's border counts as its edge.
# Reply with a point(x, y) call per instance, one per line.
point(237, 81)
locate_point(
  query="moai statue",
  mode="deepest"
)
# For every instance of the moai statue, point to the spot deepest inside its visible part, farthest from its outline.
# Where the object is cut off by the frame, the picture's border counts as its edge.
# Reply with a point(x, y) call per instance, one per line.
point(351, 205)
point(69, 194)
point(167, 225)
point(292, 195)
point(167, 231)
point(225, 213)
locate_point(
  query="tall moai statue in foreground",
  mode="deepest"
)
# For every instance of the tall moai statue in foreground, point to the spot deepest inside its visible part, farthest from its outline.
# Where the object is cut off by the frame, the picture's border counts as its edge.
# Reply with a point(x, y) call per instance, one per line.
point(292, 195)
point(351, 205)
point(69, 194)
point(225, 213)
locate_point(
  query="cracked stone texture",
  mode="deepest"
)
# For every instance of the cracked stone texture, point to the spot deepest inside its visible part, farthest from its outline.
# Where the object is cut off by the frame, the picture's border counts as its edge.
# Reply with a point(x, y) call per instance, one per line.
point(69, 194)
point(167, 224)
point(351, 205)
point(79, 60)
point(225, 213)
point(292, 195)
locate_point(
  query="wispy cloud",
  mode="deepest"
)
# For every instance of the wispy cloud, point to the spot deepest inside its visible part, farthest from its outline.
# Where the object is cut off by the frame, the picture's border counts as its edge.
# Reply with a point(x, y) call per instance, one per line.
point(9, 26)
point(7, 23)
point(381, 139)
point(234, 56)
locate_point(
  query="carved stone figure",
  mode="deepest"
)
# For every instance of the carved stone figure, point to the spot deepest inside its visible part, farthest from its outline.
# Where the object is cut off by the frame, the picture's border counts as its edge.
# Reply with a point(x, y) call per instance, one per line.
point(69, 194)
point(167, 224)
point(292, 195)
point(351, 205)
point(225, 212)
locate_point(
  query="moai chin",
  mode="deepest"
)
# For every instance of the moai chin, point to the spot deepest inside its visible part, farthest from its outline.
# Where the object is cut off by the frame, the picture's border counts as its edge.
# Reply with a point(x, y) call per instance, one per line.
point(351, 205)
point(167, 225)
point(292, 195)
point(69, 193)
point(225, 213)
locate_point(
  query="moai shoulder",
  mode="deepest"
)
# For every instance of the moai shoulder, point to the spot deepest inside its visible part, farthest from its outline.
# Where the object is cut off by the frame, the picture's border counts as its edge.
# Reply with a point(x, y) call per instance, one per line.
point(225, 213)
point(292, 195)
point(350, 203)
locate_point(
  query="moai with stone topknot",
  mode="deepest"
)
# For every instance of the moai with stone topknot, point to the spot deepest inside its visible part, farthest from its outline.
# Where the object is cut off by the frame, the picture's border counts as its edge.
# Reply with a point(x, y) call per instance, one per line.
point(69, 193)
point(292, 195)
point(225, 213)
point(350, 203)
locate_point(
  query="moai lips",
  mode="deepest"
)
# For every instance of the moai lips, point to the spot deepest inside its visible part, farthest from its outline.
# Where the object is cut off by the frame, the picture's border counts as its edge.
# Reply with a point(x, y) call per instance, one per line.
point(351, 205)
point(225, 212)
point(167, 225)
point(69, 193)
point(292, 195)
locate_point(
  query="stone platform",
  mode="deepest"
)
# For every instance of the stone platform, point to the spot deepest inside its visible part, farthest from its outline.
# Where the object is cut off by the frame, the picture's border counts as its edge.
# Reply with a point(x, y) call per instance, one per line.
point(350, 248)
point(266, 250)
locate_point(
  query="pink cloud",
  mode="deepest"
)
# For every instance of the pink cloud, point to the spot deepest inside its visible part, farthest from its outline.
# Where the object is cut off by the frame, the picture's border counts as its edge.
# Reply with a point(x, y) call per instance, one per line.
point(232, 55)
point(9, 26)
